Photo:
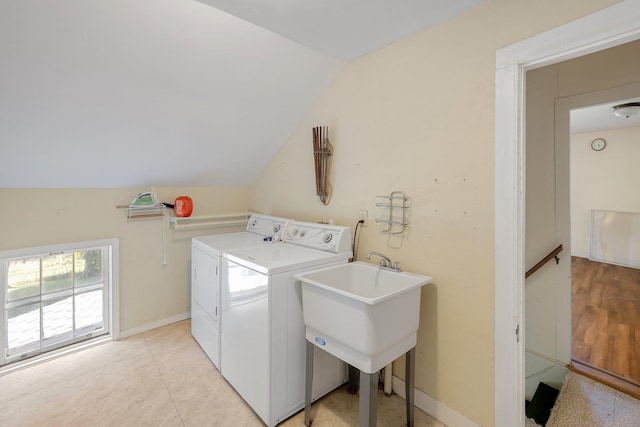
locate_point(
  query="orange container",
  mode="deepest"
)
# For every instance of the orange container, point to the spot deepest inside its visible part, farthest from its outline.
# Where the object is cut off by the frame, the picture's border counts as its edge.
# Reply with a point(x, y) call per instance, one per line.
point(183, 206)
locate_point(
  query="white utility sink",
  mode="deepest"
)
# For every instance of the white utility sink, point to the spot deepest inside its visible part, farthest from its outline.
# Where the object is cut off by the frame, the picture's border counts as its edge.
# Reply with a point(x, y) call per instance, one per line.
point(361, 313)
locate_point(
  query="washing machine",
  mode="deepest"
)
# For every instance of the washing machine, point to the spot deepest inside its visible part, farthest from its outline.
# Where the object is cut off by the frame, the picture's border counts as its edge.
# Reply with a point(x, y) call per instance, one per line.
point(263, 333)
point(205, 278)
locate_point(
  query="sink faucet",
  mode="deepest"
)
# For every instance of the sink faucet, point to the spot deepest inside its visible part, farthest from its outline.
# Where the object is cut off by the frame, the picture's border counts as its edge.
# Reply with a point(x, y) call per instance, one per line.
point(385, 262)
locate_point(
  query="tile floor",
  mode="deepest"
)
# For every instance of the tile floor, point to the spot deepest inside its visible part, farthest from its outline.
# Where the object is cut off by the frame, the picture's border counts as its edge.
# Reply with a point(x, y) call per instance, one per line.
point(157, 378)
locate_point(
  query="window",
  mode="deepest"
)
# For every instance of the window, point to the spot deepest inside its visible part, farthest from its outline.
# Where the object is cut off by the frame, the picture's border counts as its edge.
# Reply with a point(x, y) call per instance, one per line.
point(55, 296)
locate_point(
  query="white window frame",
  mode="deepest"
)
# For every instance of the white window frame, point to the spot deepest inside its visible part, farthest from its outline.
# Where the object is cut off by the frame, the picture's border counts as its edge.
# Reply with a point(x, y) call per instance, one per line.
point(110, 272)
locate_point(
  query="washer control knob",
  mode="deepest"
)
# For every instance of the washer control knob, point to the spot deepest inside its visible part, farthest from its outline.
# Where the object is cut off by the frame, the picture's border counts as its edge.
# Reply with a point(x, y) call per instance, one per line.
point(276, 228)
point(294, 232)
point(327, 237)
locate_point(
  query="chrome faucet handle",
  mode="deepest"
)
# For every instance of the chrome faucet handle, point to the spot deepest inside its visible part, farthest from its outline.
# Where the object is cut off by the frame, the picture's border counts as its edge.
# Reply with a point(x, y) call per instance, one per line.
point(384, 262)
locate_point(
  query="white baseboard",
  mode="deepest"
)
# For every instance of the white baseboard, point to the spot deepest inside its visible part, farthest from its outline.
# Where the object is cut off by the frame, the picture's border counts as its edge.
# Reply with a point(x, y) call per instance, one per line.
point(153, 325)
point(433, 407)
point(580, 254)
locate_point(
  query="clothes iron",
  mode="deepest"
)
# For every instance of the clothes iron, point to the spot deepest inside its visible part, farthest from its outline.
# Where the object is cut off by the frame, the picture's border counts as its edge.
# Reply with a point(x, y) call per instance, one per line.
point(145, 200)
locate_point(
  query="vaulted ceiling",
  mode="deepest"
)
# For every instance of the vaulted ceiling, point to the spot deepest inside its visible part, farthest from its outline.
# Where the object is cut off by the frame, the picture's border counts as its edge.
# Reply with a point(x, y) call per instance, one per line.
point(344, 29)
point(126, 93)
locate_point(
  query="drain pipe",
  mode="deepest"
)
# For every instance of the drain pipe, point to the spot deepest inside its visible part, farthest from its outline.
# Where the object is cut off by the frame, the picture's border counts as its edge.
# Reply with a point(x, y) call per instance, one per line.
point(388, 379)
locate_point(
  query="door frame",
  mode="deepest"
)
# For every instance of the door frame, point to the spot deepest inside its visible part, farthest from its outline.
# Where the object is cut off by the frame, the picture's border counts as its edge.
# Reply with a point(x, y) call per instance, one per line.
point(601, 30)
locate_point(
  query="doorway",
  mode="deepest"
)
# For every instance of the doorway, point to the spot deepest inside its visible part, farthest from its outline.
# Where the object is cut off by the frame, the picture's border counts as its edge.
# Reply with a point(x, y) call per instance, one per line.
point(613, 26)
point(553, 92)
point(605, 262)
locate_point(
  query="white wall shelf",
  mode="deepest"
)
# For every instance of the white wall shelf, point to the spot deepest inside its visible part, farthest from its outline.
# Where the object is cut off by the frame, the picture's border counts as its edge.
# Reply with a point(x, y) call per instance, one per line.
point(141, 212)
point(201, 221)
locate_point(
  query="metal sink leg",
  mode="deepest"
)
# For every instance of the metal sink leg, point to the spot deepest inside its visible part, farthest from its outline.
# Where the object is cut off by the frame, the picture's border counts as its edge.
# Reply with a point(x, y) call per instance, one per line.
point(409, 383)
point(368, 399)
point(308, 384)
point(368, 404)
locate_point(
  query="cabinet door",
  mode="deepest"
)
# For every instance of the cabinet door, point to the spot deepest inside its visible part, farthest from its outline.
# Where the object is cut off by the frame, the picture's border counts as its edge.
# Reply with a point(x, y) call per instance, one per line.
point(245, 339)
point(204, 281)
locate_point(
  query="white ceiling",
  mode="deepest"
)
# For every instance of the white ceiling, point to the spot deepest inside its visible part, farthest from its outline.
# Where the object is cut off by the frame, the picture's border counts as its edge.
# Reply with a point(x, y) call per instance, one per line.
point(599, 117)
point(126, 93)
point(345, 29)
point(129, 93)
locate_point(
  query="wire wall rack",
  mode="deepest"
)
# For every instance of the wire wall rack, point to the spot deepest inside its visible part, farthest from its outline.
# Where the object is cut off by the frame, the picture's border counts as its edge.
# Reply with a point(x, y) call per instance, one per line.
point(394, 212)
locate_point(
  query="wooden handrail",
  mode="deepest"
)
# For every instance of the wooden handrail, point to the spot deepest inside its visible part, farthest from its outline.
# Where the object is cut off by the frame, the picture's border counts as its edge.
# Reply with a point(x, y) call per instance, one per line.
point(552, 255)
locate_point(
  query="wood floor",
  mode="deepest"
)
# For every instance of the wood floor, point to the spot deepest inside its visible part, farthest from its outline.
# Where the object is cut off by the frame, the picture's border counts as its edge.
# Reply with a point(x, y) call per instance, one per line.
point(606, 318)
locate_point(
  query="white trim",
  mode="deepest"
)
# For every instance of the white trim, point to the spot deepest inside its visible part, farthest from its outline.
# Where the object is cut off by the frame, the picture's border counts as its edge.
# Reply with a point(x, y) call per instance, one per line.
point(509, 261)
point(154, 325)
point(434, 407)
point(609, 27)
point(580, 254)
point(114, 297)
point(3, 326)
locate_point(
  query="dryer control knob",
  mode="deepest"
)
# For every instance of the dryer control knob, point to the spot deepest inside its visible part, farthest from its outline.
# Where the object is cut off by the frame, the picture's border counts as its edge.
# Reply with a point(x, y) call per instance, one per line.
point(276, 228)
point(327, 237)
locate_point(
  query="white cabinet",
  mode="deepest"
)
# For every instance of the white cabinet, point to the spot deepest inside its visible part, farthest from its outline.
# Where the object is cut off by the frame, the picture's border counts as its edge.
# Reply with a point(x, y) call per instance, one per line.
point(205, 297)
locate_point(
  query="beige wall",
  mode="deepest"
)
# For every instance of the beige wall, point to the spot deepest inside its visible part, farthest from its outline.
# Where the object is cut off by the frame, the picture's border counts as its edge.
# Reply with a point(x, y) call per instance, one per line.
point(602, 180)
point(418, 116)
point(149, 292)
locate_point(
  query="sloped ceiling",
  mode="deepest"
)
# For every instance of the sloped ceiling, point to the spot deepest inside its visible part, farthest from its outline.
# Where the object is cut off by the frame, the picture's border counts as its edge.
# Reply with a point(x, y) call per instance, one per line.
point(126, 93)
point(345, 29)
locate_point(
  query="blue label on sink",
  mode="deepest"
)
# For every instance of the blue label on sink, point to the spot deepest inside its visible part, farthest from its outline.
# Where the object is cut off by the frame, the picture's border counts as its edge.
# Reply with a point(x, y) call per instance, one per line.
point(320, 341)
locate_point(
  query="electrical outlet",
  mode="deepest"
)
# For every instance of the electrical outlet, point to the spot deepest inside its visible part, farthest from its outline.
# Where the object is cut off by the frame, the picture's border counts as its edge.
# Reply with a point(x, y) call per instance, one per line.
point(364, 215)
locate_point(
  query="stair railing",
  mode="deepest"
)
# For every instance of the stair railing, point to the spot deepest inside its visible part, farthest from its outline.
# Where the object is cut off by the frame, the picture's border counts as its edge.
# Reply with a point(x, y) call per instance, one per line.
point(552, 255)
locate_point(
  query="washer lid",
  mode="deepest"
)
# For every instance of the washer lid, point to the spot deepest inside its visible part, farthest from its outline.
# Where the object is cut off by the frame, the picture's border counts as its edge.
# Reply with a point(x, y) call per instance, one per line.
point(278, 258)
point(218, 243)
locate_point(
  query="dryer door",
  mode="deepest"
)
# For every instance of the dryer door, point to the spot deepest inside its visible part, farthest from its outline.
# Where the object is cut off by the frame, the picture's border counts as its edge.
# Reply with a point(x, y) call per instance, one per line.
point(204, 281)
